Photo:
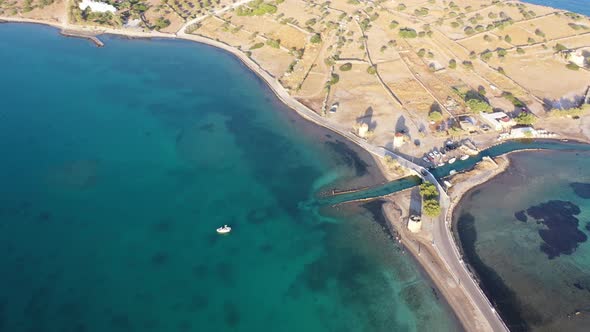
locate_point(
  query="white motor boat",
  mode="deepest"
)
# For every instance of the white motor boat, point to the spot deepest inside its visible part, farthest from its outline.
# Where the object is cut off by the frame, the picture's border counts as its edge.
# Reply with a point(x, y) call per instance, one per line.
point(224, 230)
point(452, 160)
point(452, 172)
point(465, 157)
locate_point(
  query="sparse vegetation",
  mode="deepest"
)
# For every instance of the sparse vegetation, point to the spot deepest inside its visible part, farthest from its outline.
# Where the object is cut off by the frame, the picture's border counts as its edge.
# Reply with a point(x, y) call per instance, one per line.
point(435, 116)
point(346, 67)
point(452, 63)
point(430, 204)
point(525, 118)
point(572, 66)
point(408, 33)
point(316, 38)
point(478, 106)
point(256, 8)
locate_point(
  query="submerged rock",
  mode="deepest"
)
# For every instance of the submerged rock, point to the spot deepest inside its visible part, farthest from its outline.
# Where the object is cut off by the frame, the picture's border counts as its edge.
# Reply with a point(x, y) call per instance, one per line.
point(562, 235)
point(581, 189)
point(521, 216)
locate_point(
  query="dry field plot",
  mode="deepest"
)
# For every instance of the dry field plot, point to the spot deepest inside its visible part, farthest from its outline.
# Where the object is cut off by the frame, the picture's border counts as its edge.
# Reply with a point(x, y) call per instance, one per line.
point(53, 11)
point(414, 97)
point(274, 60)
point(575, 41)
point(552, 26)
point(478, 44)
point(544, 77)
point(215, 28)
point(299, 10)
point(267, 26)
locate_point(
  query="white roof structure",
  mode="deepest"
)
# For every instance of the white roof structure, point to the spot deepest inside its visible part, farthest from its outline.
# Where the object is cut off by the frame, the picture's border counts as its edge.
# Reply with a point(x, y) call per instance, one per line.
point(95, 6)
point(498, 120)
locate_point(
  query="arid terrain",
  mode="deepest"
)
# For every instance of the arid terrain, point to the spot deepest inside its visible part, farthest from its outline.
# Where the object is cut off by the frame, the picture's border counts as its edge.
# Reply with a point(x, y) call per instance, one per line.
point(417, 69)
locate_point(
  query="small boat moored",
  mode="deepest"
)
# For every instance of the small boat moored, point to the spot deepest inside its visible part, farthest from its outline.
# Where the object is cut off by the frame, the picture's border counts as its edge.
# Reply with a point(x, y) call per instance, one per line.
point(452, 160)
point(452, 172)
point(224, 230)
point(465, 157)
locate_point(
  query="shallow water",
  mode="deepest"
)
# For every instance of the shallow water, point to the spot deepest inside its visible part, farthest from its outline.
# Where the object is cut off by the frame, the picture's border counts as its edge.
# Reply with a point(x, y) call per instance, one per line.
point(117, 165)
point(526, 233)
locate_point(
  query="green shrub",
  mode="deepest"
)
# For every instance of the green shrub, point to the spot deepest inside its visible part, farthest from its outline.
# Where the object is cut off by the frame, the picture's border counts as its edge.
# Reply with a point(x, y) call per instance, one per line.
point(316, 38)
point(510, 97)
point(372, 70)
point(452, 63)
point(525, 118)
point(408, 33)
point(501, 52)
point(520, 50)
point(273, 43)
point(421, 12)
point(559, 47)
point(486, 55)
point(257, 45)
point(256, 8)
point(346, 67)
point(393, 24)
point(435, 116)
point(478, 106)
point(572, 66)
point(421, 52)
point(334, 78)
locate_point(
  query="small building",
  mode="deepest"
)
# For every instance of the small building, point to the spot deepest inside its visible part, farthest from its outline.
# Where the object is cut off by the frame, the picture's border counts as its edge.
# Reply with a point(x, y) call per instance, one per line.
point(415, 224)
point(577, 58)
point(363, 130)
point(98, 7)
point(399, 139)
point(498, 120)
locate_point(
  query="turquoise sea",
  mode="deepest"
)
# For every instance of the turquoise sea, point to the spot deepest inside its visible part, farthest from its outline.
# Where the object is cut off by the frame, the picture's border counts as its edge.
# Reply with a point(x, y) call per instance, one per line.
point(576, 6)
point(526, 233)
point(117, 165)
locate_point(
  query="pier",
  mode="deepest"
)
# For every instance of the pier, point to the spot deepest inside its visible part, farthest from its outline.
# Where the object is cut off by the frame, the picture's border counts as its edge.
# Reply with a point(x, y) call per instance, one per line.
point(80, 34)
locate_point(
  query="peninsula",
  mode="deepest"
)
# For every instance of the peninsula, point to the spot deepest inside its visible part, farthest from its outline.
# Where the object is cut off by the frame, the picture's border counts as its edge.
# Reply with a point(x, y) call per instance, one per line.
point(418, 84)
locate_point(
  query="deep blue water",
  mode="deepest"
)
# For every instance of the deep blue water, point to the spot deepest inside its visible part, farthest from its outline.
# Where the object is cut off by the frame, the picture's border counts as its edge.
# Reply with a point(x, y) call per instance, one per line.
point(526, 233)
point(576, 6)
point(117, 165)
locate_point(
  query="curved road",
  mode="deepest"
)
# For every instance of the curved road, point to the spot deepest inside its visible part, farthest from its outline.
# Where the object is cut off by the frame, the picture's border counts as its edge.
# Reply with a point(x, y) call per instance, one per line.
point(443, 240)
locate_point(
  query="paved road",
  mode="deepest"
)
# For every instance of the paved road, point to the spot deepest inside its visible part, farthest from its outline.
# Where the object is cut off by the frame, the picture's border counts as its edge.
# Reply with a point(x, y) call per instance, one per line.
point(443, 239)
point(447, 249)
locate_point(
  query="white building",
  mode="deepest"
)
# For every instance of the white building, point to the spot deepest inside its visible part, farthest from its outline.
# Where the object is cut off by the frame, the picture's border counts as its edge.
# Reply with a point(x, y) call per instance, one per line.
point(577, 58)
point(414, 224)
point(498, 120)
point(363, 130)
point(95, 6)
